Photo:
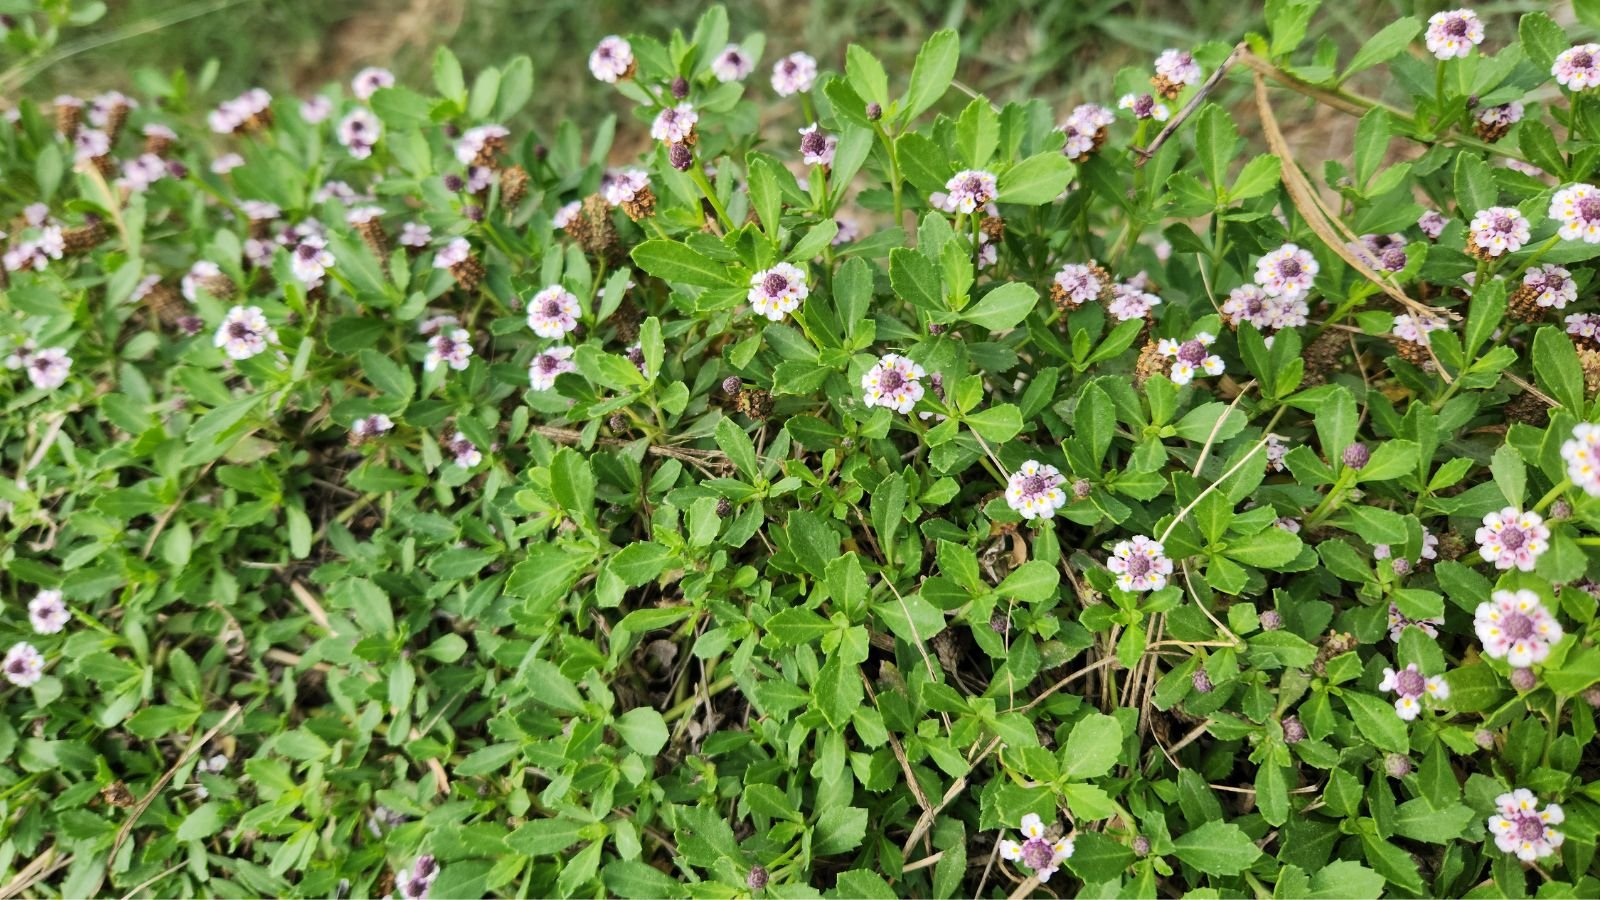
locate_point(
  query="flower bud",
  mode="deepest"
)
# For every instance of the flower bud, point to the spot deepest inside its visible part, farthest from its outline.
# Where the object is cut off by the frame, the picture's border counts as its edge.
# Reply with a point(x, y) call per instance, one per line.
point(1398, 765)
point(1524, 680)
point(935, 329)
point(1484, 739)
point(1592, 697)
point(757, 880)
point(177, 170)
point(680, 156)
point(452, 130)
point(680, 87)
point(618, 424)
point(1560, 509)
point(724, 507)
point(874, 112)
point(1141, 846)
point(1294, 730)
point(1400, 565)
point(541, 152)
point(1202, 681)
point(453, 183)
point(473, 212)
point(1082, 488)
point(1271, 620)
point(1356, 455)
point(731, 384)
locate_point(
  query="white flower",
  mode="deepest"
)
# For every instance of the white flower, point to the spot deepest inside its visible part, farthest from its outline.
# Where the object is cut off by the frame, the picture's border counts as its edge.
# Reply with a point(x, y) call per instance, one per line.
point(1191, 357)
point(1178, 67)
point(1144, 106)
point(732, 64)
point(553, 312)
point(316, 109)
point(1039, 854)
point(415, 234)
point(370, 80)
point(1288, 270)
point(1521, 828)
point(611, 60)
point(1582, 454)
point(1499, 229)
point(1578, 68)
point(1411, 686)
point(547, 365)
point(472, 143)
point(1453, 33)
point(968, 190)
point(893, 383)
point(359, 132)
point(452, 348)
point(48, 368)
point(1140, 564)
point(1511, 537)
point(675, 124)
point(455, 252)
point(1034, 490)
point(23, 665)
point(310, 261)
point(1577, 208)
point(794, 74)
point(47, 613)
point(1515, 626)
point(245, 332)
point(777, 291)
point(622, 186)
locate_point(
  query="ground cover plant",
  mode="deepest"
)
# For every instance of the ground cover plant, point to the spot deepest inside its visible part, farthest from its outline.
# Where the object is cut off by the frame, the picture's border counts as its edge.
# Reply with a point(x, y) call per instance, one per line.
point(1061, 497)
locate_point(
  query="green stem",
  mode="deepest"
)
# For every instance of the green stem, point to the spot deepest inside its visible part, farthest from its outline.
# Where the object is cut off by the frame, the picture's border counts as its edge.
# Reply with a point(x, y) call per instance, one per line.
point(1552, 495)
point(710, 192)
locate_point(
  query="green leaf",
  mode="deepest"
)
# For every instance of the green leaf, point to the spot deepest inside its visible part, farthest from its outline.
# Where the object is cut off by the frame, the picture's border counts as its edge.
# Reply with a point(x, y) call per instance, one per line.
point(797, 625)
point(675, 262)
point(932, 73)
point(1216, 139)
point(1346, 880)
point(447, 77)
point(1556, 367)
point(1092, 747)
point(572, 483)
point(1037, 180)
point(741, 452)
point(1475, 187)
point(838, 691)
point(1217, 848)
point(1336, 422)
point(997, 424)
point(1384, 46)
point(764, 195)
point(643, 729)
point(203, 822)
point(866, 75)
point(1002, 308)
point(545, 837)
point(1258, 176)
point(1378, 721)
point(1420, 821)
point(1510, 475)
point(922, 162)
point(1266, 549)
point(387, 376)
point(1542, 39)
point(1035, 581)
point(915, 279)
point(1096, 858)
point(639, 562)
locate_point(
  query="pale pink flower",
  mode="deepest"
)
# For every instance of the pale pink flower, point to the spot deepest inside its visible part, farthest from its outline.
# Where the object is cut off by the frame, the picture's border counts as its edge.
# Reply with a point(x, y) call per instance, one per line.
point(245, 332)
point(1144, 106)
point(457, 251)
point(23, 665)
point(1080, 283)
point(1578, 68)
point(474, 140)
point(553, 312)
point(1287, 270)
point(1585, 325)
point(372, 426)
point(1277, 448)
point(1515, 626)
point(1398, 623)
point(1432, 224)
point(1178, 67)
point(1577, 208)
point(1552, 285)
point(1513, 538)
point(226, 163)
point(894, 383)
point(1140, 564)
point(1520, 827)
point(1414, 327)
point(675, 124)
point(968, 190)
point(1034, 490)
point(359, 132)
point(47, 613)
point(1043, 856)
point(466, 454)
point(452, 348)
point(624, 185)
point(732, 64)
point(777, 291)
point(1411, 686)
point(1454, 33)
point(48, 368)
point(817, 147)
point(1582, 454)
point(369, 81)
point(612, 59)
point(794, 74)
point(566, 214)
point(547, 365)
point(1499, 230)
point(316, 109)
point(1129, 302)
point(1191, 357)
